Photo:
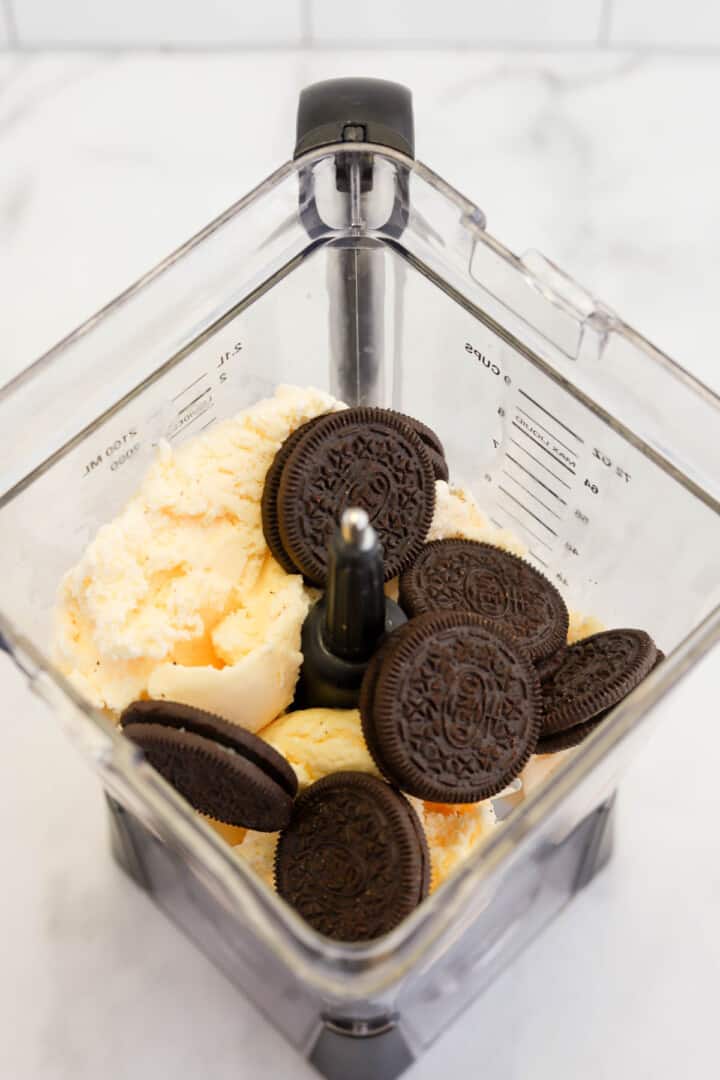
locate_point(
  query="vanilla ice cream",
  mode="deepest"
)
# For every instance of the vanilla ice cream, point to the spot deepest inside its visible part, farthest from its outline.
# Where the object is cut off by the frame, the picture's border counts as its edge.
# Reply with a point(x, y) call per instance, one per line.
point(178, 597)
point(539, 767)
point(458, 515)
point(318, 742)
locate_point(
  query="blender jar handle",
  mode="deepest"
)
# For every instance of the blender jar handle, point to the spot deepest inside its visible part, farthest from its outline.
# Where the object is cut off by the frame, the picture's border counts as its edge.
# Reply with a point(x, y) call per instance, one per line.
point(355, 110)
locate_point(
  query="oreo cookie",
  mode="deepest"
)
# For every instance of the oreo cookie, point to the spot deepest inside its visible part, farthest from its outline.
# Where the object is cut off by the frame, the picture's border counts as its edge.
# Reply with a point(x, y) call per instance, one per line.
point(573, 736)
point(432, 441)
point(440, 465)
point(451, 708)
point(362, 457)
point(465, 575)
point(221, 769)
point(596, 673)
point(566, 740)
point(354, 860)
point(435, 448)
point(548, 665)
point(268, 503)
point(428, 436)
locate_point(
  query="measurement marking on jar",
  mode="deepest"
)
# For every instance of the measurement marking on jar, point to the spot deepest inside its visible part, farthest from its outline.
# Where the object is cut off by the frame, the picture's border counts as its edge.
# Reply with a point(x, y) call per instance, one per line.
point(608, 464)
point(119, 451)
point(527, 530)
point(537, 558)
point(186, 426)
point(184, 419)
point(190, 404)
point(531, 494)
point(543, 448)
point(199, 378)
point(209, 423)
point(496, 523)
point(540, 463)
point(524, 507)
point(547, 432)
point(552, 417)
point(537, 479)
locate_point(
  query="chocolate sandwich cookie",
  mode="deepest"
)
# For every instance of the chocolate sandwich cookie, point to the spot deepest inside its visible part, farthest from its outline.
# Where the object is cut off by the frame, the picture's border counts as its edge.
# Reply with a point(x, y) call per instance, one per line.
point(573, 736)
point(565, 740)
point(432, 442)
point(596, 673)
point(428, 436)
point(439, 464)
point(548, 665)
point(367, 689)
point(221, 769)
point(451, 708)
point(268, 503)
point(354, 860)
point(361, 457)
point(465, 575)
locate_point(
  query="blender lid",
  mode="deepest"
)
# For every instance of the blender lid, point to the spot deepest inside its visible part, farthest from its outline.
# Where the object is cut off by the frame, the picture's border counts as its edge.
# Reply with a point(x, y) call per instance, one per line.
point(355, 110)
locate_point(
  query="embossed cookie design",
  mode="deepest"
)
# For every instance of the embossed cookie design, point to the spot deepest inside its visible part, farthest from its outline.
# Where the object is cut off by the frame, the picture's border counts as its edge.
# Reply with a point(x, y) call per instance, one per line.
point(596, 673)
point(464, 575)
point(364, 457)
point(353, 861)
point(451, 708)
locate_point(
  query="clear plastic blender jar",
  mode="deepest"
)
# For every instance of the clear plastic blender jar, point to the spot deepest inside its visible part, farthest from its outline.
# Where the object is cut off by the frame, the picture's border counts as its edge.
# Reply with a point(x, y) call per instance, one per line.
point(356, 269)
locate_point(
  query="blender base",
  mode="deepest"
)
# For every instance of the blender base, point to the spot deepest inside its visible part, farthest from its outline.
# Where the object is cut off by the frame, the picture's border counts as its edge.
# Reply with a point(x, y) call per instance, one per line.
point(355, 1051)
point(380, 1040)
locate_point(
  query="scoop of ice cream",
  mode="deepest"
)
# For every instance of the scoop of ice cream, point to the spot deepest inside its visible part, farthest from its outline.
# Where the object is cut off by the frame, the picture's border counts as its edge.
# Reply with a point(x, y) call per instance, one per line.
point(458, 515)
point(231, 834)
point(258, 850)
point(453, 832)
point(178, 596)
point(539, 767)
point(259, 644)
point(582, 626)
point(318, 742)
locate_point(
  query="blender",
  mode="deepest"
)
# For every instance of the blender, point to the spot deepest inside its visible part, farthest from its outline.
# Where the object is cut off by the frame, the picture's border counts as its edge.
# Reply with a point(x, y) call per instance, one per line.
point(357, 269)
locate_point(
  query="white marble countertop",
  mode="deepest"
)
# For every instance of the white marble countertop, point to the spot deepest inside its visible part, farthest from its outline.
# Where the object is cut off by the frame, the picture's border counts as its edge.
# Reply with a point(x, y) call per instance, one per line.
point(607, 164)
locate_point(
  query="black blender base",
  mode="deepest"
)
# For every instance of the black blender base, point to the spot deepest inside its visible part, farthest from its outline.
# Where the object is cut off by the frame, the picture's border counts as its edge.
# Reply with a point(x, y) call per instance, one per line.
point(122, 843)
point(380, 1046)
point(357, 1052)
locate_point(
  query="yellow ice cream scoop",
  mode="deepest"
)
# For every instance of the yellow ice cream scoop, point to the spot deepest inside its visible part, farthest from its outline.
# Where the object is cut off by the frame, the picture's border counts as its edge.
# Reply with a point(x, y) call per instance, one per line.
point(317, 742)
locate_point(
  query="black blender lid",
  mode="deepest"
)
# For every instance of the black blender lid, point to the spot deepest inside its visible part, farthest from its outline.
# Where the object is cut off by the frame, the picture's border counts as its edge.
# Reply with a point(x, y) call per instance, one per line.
point(355, 110)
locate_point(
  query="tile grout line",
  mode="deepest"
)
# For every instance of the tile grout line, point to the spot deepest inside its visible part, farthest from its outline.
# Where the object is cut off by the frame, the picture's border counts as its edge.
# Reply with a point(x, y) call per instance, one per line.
point(13, 40)
point(541, 48)
point(605, 24)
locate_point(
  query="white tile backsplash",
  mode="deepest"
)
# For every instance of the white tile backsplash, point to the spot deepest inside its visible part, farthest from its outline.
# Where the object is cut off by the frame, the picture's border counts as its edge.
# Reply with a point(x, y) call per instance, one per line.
point(158, 22)
point(463, 22)
point(665, 23)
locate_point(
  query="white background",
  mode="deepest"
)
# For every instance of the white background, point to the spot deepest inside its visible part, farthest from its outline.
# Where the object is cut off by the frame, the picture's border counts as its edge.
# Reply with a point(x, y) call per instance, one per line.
point(609, 164)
